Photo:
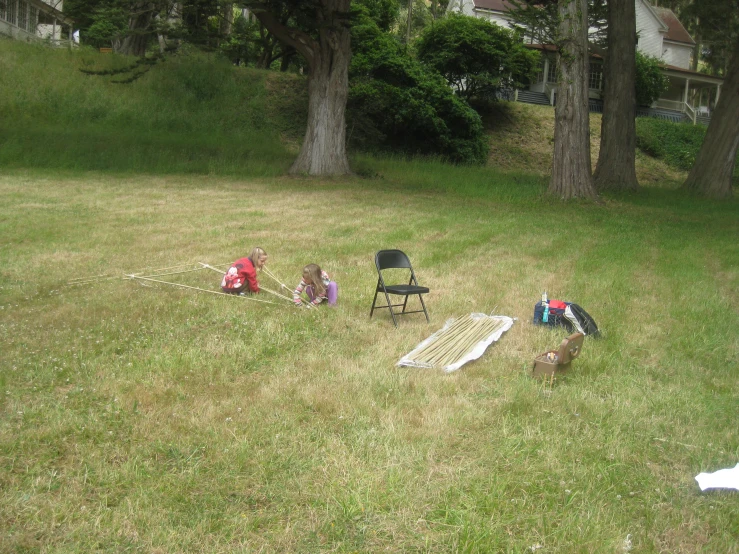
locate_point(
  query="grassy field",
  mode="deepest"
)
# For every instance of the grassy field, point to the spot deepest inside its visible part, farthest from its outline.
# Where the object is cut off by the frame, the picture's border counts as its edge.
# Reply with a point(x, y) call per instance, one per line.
point(161, 420)
point(154, 419)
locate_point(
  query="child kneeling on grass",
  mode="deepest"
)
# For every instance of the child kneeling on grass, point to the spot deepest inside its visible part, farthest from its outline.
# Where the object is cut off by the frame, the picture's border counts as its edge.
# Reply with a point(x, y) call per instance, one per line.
point(317, 285)
point(241, 277)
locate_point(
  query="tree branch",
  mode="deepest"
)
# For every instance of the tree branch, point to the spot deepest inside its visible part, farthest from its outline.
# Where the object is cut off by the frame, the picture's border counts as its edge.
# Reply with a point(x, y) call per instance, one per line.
point(301, 41)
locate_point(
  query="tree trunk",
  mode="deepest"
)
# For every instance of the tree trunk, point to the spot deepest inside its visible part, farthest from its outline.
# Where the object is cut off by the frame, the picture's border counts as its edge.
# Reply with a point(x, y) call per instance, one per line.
point(324, 147)
point(323, 151)
point(571, 169)
point(288, 54)
point(713, 169)
point(227, 20)
point(139, 30)
point(616, 169)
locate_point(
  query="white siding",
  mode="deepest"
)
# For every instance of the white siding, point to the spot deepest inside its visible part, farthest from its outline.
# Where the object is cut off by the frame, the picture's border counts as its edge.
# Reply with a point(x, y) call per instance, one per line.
point(493, 17)
point(648, 31)
point(677, 54)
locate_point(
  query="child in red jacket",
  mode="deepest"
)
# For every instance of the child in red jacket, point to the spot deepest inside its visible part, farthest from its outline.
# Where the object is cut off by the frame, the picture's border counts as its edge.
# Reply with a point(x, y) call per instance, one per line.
point(241, 277)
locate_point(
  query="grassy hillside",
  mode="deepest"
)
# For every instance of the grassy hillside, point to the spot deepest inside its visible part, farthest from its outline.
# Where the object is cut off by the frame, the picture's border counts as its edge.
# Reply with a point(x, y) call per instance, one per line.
point(196, 113)
point(522, 137)
point(191, 113)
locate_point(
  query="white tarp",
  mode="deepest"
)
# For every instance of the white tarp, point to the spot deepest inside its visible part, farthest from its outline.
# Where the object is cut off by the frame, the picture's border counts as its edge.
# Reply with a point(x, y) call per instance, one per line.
point(473, 354)
point(721, 479)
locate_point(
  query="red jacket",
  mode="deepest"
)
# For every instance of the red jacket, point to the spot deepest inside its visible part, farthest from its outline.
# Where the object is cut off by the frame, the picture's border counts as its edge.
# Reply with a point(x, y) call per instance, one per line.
point(239, 276)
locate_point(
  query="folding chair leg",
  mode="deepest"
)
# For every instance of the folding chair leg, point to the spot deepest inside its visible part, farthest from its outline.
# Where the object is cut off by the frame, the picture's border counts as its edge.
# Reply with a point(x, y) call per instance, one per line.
point(390, 307)
point(373, 303)
point(405, 301)
point(420, 297)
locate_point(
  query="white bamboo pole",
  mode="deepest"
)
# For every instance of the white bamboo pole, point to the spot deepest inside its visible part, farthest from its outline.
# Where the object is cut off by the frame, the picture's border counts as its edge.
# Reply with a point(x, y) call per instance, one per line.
point(273, 276)
point(132, 276)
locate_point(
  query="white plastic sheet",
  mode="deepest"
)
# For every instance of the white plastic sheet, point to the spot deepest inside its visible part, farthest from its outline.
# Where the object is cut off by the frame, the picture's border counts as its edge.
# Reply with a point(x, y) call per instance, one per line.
point(721, 479)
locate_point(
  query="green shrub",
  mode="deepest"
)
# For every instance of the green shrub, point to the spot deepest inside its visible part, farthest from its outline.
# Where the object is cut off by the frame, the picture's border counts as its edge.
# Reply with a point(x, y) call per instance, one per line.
point(651, 82)
point(676, 143)
point(397, 105)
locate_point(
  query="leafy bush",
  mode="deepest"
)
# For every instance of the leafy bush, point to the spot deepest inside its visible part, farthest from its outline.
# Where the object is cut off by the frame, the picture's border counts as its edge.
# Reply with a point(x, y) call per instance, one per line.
point(477, 57)
point(676, 143)
point(650, 81)
point(396, 104)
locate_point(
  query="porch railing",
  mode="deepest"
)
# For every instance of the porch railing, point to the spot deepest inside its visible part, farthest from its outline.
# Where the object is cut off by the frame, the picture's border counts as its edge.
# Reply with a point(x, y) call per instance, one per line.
point(678, 106)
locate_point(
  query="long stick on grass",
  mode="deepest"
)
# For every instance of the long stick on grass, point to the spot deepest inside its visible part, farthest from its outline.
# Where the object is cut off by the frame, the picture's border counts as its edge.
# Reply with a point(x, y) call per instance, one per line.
point(273, 276)
point(134, 277)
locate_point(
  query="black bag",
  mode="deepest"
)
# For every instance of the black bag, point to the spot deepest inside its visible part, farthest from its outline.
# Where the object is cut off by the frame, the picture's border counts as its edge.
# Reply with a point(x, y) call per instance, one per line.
point(568, 315)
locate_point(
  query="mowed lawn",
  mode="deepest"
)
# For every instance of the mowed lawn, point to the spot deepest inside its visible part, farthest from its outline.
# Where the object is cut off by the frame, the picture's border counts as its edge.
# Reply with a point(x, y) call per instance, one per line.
point(155, 419)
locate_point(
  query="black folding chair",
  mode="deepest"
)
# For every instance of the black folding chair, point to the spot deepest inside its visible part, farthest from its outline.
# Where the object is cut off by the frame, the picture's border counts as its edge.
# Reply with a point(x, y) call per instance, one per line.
point(395, 259)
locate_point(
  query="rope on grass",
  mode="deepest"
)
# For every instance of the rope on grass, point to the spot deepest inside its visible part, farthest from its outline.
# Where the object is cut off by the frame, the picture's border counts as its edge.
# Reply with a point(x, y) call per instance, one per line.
point(208, 266)
point(135, 277)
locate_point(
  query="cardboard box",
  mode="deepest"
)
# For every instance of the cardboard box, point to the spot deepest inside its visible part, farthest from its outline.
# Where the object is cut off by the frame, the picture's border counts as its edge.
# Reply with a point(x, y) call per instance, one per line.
point(557, 362)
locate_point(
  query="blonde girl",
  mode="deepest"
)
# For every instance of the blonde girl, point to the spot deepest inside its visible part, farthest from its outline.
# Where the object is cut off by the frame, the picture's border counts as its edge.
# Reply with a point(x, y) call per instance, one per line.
point(317, 285)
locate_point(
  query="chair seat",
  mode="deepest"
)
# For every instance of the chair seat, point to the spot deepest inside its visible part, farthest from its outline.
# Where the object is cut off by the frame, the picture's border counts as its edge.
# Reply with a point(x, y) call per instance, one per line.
point(405, 290)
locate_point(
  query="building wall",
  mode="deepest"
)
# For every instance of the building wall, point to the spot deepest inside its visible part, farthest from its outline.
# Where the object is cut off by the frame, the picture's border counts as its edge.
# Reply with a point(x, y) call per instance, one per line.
point(677, 54)
point(648, 30)
point(496, 18)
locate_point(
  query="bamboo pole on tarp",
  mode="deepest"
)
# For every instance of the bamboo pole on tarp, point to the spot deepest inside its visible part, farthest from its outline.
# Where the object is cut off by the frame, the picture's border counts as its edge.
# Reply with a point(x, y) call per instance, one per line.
point(457, 341)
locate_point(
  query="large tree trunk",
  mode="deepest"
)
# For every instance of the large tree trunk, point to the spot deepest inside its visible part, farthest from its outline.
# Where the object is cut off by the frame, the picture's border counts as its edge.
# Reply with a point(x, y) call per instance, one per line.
point(711, 175)
point(324, 146)
point(139, 30)
point(571, 169)
point(616, 169)
point(323, 151)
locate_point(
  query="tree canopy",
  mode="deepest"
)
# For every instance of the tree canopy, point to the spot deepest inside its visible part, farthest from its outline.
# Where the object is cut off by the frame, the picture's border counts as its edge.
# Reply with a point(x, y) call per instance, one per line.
point(476, 57)
point(397, 102)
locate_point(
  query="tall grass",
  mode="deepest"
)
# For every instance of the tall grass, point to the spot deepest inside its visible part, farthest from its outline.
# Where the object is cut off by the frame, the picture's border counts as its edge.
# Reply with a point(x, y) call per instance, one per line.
point(192, 113)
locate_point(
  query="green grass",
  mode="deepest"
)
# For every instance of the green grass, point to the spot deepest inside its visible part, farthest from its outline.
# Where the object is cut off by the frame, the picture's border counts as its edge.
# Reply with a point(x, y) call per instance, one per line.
point(151, 419)
point(190, 114)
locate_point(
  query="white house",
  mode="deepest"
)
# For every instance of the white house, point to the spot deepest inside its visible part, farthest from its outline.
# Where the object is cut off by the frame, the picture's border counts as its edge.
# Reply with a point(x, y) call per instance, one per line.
point(31, 20)
point(660, 35)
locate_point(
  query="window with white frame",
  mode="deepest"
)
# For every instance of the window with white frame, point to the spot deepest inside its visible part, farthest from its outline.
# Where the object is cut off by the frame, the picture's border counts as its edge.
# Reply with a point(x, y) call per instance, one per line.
point(32, 19)
point(10, 14)
point(23, 14)
point(595, 79)
point(552, 74)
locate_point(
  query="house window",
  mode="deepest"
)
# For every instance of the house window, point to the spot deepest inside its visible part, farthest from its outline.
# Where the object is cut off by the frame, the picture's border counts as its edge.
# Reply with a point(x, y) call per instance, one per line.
point(32, 19)
point(23, 14)
point(595, 80)
point(3, 9)
point(11, 12)
point(552, 75)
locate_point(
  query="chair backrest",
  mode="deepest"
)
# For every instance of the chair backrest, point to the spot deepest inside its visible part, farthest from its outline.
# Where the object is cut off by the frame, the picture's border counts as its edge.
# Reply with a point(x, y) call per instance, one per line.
point(392, 259)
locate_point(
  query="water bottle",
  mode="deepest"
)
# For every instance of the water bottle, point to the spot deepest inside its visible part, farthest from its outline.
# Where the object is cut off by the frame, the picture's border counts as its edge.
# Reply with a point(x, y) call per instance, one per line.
point(545, 303)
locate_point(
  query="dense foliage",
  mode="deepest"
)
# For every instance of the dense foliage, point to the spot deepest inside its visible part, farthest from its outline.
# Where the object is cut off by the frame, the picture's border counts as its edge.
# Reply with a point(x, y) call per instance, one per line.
point(476, 57)
point(650, 81)
point(396, 104)
point(676, 143)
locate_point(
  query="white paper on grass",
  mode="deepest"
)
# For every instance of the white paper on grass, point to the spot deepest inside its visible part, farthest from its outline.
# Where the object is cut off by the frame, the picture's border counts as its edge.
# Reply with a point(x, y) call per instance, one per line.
point(721, 479)
point(473, 354)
